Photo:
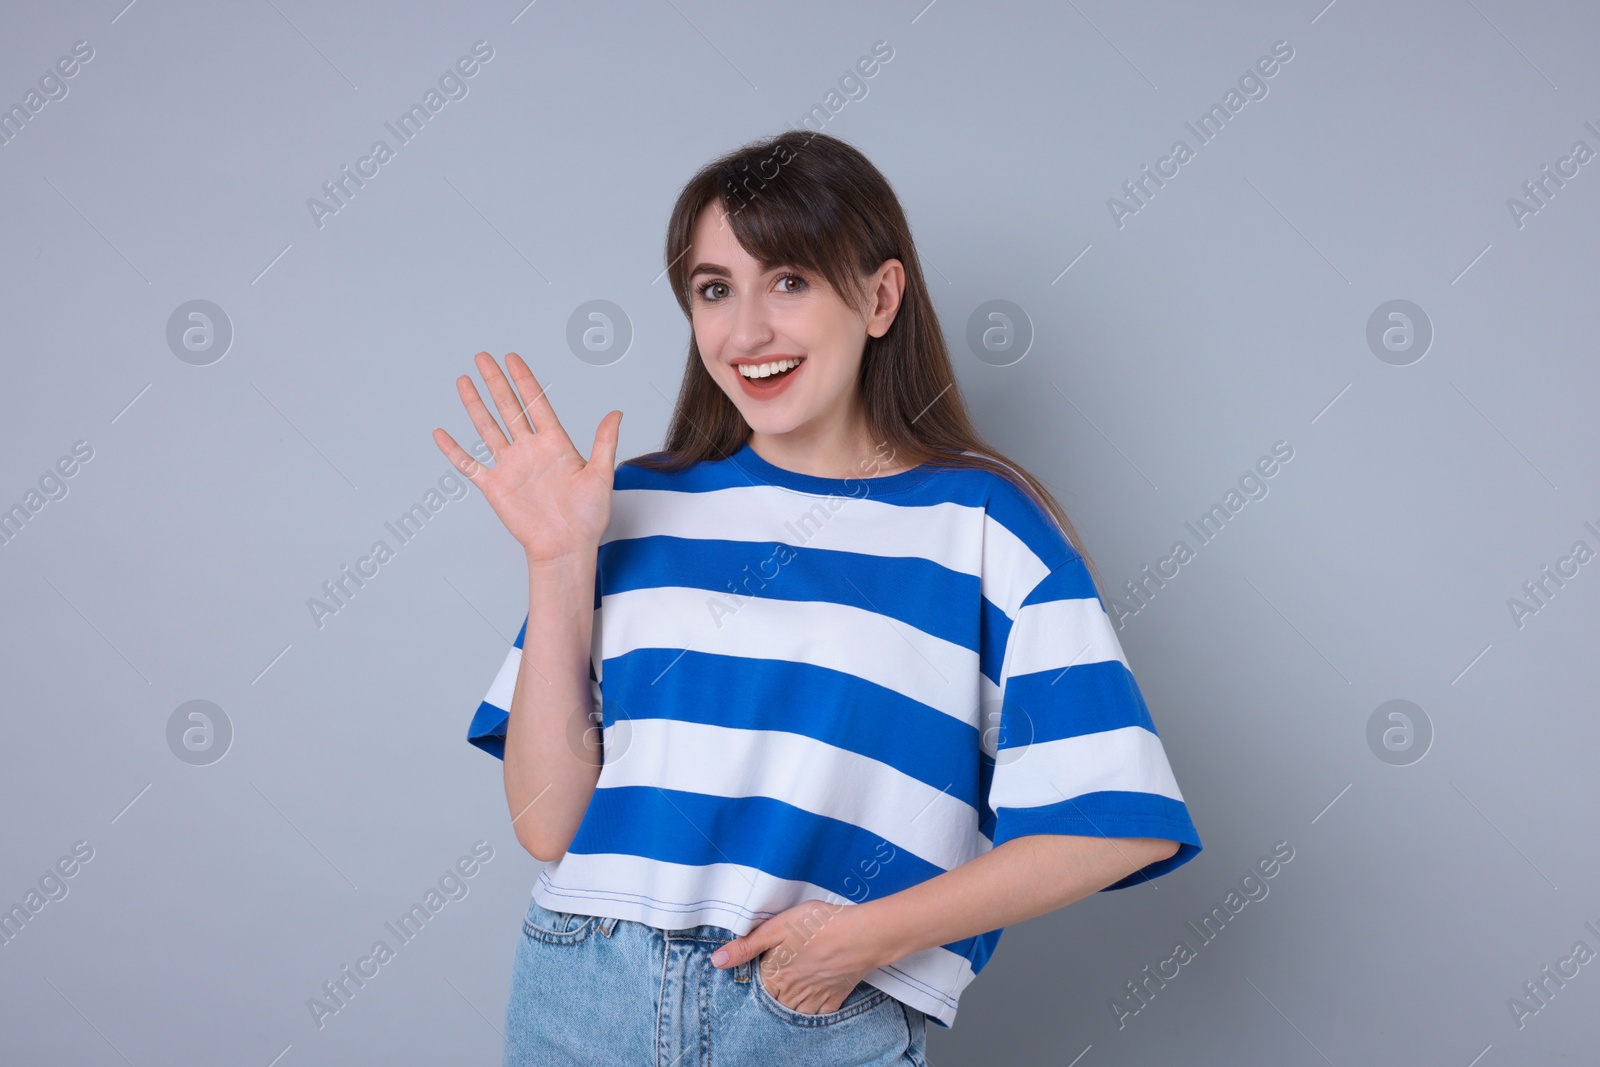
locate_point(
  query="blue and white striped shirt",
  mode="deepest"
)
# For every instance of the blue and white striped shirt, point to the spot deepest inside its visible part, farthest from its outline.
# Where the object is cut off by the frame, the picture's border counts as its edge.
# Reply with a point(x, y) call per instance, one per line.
point(836, 688)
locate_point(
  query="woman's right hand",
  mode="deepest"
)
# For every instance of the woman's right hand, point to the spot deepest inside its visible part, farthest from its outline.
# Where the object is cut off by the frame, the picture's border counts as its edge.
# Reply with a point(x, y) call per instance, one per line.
point(553, 502)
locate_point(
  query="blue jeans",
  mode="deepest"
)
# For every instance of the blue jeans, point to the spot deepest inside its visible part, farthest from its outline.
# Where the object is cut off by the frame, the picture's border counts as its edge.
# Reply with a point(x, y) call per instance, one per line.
point(588, 991)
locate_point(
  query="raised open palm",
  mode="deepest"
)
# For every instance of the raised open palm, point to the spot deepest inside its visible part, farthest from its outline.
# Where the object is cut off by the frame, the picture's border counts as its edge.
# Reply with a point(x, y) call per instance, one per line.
point(553, 502)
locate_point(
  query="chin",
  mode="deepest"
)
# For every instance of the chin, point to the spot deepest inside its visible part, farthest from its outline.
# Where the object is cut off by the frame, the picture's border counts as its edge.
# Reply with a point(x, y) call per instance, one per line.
point(769, 418)
point(765, 423)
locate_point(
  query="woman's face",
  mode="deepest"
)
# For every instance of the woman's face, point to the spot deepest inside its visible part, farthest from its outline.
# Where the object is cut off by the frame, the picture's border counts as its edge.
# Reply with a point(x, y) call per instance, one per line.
point(746, 317)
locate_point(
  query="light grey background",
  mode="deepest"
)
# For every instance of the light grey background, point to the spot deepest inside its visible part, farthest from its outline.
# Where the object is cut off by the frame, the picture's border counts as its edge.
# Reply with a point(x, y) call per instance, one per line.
point(1229, 313)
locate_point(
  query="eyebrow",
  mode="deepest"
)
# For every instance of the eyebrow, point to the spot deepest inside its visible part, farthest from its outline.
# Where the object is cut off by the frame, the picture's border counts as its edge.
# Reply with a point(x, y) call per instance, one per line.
point(716, 268)
point(710, 268)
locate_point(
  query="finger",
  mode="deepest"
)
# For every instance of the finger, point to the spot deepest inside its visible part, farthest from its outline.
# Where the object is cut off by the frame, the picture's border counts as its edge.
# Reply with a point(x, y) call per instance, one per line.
point(467, 465)
point(536, 403)
point(738, 951)
point(505, 398)
point(482, 420)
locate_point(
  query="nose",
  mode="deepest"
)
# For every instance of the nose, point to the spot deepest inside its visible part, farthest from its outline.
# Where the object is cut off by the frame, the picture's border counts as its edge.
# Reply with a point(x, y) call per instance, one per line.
point(752, 325)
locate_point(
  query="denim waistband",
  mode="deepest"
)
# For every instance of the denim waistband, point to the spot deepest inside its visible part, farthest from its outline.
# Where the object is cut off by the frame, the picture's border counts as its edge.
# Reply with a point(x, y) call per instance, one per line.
point(704, 932)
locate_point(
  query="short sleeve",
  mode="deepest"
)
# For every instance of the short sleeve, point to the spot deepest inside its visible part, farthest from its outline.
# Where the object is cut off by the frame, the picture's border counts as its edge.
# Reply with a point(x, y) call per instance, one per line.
point(488, 727)
point(1076, 751)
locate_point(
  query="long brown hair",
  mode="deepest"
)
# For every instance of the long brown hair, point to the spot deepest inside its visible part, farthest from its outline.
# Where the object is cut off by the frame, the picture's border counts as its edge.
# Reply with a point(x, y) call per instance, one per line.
point(814, 202)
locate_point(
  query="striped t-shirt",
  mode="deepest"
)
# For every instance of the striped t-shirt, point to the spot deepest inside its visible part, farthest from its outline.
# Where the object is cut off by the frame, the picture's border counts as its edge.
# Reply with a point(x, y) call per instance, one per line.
point(836, 688)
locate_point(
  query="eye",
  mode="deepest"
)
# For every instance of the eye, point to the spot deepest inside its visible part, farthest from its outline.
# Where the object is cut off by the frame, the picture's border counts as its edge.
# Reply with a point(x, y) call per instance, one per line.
point(799, 285)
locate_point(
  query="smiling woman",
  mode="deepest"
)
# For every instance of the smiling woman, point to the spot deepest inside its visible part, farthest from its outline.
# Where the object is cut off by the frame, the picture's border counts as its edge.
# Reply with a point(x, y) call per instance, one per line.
point(827, 569)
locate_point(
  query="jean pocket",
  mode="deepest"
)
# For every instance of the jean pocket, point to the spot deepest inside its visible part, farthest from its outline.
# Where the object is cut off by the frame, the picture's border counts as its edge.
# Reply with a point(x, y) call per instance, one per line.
point(557, 927)
point(860, 1000)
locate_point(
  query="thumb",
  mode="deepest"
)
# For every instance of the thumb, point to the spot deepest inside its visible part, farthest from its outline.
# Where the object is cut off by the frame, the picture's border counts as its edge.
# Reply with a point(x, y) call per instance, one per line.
point(741, 949)
point(605, 442)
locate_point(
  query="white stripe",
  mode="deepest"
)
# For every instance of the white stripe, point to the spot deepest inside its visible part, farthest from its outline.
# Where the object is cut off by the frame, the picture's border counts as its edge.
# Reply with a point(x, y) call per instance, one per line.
point(963, 539)
point(673, 896)
point(505, 682)
point(1128, 758)
point(990, 694)
point(949, 534)
point(930, 981)
point(800, 771)
point(1010, 568)
point(856, 641)
point(1058, 634)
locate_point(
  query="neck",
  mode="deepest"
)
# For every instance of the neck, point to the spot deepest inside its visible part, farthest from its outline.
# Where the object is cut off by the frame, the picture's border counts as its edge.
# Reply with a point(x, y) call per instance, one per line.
point(859, 458)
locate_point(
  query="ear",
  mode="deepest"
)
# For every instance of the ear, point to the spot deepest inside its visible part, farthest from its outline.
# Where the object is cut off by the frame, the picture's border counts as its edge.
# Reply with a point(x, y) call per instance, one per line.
point(886, 288)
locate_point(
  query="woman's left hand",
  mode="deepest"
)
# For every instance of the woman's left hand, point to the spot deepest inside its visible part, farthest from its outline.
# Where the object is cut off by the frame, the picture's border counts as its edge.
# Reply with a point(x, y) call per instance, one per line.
point(811, 955)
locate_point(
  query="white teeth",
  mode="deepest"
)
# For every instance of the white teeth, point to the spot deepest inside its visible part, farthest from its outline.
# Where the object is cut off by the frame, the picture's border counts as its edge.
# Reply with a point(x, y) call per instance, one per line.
point(762, 370)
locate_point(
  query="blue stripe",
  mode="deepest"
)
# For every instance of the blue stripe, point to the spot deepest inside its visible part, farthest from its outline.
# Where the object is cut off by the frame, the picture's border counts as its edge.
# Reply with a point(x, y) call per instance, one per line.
point(831, 706)
point(698, 829)
point(985, 779)
point(1110, 813)
point(1187, 851)
point(1068, 581)
point(994, 628)
point(977, 949)
point(488, 729)
point(1085, 699)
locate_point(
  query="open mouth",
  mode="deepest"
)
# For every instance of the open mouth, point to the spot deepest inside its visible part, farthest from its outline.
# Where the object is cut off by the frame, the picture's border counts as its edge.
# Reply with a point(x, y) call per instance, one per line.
point(779, 369)
point(777, 373)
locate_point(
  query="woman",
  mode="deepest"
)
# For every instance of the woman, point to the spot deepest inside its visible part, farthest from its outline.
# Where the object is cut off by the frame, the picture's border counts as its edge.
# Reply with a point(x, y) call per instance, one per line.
point(859, 704)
